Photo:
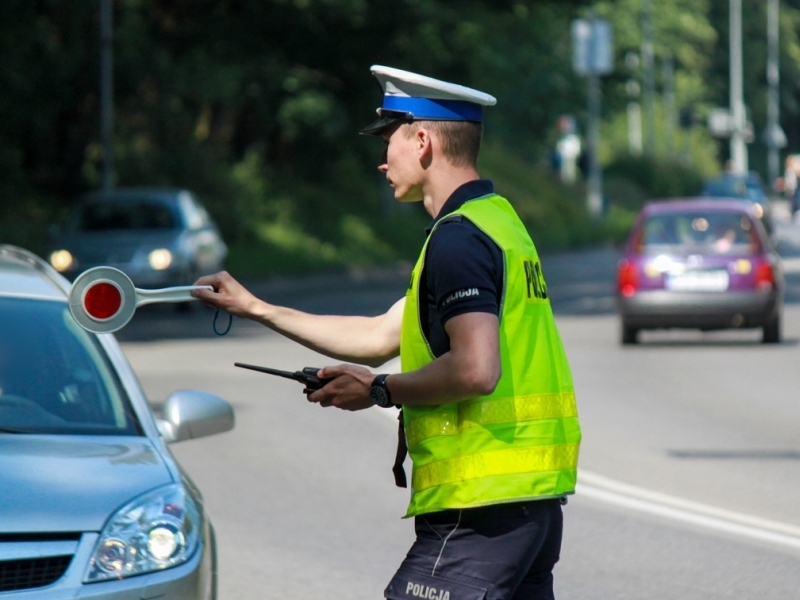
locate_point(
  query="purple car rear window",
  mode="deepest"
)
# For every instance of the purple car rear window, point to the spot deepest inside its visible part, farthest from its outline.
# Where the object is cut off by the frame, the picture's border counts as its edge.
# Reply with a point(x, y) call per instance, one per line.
point(709, 232)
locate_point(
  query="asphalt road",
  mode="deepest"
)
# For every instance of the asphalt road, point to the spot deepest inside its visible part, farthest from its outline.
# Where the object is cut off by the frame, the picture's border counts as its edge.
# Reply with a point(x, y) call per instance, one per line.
point(689, 482)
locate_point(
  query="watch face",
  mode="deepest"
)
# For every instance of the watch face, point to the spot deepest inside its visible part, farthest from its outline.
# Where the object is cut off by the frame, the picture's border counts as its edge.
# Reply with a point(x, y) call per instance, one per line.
point(379, 395)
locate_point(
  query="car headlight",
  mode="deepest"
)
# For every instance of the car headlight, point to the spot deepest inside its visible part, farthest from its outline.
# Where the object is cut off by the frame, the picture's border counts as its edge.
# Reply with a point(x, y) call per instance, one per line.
point(62, 260)
point(156, 531)
point(160, 259)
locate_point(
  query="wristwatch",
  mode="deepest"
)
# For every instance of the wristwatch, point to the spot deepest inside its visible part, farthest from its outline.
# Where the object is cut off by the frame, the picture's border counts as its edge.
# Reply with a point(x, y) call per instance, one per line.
point(379, 393)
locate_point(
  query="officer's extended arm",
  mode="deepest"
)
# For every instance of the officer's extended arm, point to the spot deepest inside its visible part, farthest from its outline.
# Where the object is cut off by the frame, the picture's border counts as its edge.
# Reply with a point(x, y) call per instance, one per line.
point(363, 340)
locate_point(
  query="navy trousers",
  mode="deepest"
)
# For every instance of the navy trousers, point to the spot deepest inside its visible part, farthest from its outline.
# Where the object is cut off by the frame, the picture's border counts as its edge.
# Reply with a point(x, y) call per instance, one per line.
point(498, 552)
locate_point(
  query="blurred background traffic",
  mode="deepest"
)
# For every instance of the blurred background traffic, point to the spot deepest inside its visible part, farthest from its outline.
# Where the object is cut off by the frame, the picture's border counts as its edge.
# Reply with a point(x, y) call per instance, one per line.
point(253, 108)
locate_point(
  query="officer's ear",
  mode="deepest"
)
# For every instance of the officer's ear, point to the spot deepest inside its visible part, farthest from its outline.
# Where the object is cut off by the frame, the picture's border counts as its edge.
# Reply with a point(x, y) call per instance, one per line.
point(424, 143)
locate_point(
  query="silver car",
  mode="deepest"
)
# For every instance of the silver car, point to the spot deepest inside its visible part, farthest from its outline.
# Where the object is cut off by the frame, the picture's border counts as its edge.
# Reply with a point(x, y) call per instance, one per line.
point(92, 502)
point(158, 237)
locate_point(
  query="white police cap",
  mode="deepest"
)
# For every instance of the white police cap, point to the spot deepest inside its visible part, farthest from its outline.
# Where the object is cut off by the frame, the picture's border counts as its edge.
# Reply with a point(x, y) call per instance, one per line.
point(411, 97)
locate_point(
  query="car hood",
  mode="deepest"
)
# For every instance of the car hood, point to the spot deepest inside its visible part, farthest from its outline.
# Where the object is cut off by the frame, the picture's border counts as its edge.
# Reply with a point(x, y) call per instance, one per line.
point(117, 246)
point(72, 483)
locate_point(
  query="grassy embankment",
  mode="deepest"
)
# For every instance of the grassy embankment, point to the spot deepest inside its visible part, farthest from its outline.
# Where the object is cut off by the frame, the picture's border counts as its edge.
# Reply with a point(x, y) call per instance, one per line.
point(554, 214)
point(345, 226)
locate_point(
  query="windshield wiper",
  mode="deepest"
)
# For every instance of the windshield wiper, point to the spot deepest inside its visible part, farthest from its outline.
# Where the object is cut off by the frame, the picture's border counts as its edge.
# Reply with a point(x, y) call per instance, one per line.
point(7, 430)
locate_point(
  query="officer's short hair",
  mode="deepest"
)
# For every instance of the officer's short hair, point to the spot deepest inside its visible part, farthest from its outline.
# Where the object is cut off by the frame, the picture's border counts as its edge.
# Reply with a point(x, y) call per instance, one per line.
point(461, 140)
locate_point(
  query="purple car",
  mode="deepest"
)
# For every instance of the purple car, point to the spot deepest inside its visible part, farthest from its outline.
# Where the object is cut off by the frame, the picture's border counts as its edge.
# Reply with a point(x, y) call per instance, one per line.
point(700, 264)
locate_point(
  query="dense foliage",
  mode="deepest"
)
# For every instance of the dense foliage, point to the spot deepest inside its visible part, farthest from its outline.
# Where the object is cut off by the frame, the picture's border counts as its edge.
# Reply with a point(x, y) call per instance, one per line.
point(255, 105)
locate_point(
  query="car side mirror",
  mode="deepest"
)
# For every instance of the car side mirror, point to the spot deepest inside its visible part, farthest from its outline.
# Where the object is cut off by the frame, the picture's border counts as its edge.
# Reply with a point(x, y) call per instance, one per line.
point(192, 414)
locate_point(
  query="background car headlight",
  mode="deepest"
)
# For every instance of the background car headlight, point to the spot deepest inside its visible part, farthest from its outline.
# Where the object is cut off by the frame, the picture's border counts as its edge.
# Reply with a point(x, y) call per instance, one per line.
point(156, 531)
point(160, 259)
point(61, 260)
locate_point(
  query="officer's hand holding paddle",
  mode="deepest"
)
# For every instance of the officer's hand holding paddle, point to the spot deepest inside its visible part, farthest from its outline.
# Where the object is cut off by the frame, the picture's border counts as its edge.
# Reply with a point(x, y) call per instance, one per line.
point(228, 295)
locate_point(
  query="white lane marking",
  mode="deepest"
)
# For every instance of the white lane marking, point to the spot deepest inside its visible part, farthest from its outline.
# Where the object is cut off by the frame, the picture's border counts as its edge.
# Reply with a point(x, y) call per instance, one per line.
point(610, 491)
point(599, 481)
point(603, 489)
point(678, 509)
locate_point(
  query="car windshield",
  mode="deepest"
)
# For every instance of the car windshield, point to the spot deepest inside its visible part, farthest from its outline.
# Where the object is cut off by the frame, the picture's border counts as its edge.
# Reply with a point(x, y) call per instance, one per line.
point(703, 231)
point(54, 376)
point(107, 215)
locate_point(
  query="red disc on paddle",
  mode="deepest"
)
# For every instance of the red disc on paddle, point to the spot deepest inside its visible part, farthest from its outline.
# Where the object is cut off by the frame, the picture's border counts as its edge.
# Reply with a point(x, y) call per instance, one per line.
point(102, 300)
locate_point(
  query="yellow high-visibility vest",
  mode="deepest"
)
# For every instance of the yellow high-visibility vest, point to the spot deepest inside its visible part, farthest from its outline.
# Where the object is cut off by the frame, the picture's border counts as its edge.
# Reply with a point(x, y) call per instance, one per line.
point(521, 442)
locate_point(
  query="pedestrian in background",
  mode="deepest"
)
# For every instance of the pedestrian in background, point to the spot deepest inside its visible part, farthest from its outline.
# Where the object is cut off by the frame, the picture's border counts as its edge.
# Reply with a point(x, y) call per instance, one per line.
point(791, 176)
point(487, 398)
point(568, 149)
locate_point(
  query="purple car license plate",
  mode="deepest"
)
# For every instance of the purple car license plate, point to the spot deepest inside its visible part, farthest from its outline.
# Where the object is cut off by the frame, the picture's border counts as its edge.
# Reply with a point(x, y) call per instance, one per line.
point(698, 281)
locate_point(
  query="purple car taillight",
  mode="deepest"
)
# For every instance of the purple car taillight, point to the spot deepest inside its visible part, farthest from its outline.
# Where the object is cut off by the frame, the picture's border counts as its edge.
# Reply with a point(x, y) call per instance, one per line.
point(627, 279)
point(765, 277)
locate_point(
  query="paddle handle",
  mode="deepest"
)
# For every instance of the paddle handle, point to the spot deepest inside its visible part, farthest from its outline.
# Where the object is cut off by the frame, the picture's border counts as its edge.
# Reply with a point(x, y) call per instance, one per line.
point(173, 294)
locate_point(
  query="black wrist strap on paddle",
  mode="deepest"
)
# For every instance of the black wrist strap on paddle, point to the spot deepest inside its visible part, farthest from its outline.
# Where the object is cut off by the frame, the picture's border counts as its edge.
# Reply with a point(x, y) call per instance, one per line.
point(402, 451)
point(227, 329)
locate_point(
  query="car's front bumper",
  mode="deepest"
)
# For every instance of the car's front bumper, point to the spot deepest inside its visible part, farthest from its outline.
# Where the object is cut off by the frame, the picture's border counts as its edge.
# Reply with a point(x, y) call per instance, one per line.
point(703, 310)
point(193, 580)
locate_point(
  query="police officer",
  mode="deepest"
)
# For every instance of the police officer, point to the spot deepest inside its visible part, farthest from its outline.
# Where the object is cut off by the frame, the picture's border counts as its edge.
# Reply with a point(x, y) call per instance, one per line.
point(486, 392)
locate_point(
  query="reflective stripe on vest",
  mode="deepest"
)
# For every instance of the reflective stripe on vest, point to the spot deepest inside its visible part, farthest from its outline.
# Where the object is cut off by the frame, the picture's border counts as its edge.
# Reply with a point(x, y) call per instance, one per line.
point(521, 442)
point(491, 412)
point(499, 462)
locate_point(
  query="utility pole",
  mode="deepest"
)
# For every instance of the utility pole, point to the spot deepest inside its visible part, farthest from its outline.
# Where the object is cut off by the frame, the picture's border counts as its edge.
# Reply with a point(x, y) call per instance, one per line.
point(670, 109)
point(595, 195)
point(738, 147)
point(593, 55)
point(648, 78)
point(107, 90)
point(776, 139)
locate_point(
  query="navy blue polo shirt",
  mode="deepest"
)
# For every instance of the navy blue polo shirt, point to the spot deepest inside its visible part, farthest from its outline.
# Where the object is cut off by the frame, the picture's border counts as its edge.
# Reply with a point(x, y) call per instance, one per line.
point(463, 269)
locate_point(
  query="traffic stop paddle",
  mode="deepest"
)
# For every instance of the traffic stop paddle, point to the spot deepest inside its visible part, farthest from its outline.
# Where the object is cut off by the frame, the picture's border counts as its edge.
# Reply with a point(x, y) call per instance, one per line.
point(103, 299)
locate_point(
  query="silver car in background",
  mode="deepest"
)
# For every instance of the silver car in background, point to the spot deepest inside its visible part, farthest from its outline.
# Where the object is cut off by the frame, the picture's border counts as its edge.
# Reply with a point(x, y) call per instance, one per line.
point(92, 502)
point(158, 237)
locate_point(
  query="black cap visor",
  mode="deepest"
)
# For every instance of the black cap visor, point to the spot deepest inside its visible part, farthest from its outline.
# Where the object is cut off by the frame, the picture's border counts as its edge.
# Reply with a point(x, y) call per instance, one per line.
point(388, 119)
